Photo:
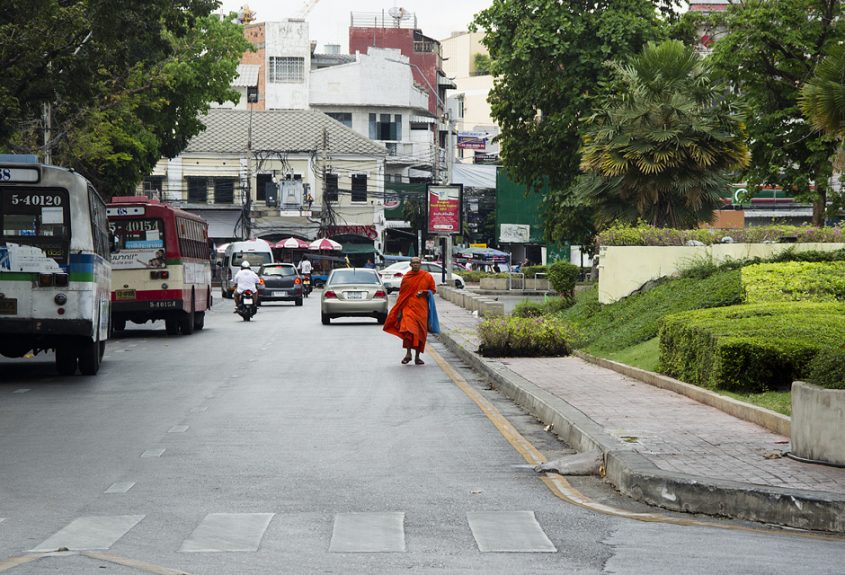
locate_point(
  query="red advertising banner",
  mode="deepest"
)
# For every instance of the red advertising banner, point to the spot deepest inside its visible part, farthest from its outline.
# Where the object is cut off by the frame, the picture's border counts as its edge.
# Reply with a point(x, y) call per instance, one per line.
point(444, 209)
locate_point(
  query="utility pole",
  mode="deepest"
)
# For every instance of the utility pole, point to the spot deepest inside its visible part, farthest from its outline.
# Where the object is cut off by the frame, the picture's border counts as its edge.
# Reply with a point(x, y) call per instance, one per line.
point(48, 132)
point(325, 207)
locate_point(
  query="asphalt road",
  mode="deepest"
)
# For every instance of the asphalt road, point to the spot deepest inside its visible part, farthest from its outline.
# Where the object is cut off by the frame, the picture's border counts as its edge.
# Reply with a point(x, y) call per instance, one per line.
point(285, 446)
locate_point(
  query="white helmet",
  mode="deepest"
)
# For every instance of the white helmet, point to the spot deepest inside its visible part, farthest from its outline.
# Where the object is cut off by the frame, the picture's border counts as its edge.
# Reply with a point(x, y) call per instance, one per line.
point(245, 265)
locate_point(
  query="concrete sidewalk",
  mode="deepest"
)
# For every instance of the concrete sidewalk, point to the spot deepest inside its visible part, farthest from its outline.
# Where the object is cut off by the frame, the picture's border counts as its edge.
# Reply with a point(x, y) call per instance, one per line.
point(661, 447)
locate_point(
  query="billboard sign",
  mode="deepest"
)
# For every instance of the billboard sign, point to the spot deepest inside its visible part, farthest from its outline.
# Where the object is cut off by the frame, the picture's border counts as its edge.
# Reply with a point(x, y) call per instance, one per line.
point(472, 140)
point(444, 209)
point(514, 233)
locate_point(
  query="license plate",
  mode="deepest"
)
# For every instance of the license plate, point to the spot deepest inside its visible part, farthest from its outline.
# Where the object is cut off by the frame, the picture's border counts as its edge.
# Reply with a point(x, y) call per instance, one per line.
point(124, 294)
point(8, 306)
point(247, 301)
point(306, 281)
point(279, 293)
point(354, 295)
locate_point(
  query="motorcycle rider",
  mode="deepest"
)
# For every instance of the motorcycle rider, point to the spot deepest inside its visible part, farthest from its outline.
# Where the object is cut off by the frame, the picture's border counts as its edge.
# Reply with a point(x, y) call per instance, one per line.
point(305, 269)
point(246, 279)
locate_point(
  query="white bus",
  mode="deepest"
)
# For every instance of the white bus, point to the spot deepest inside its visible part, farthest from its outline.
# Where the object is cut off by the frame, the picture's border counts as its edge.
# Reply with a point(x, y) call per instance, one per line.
point(55, 274)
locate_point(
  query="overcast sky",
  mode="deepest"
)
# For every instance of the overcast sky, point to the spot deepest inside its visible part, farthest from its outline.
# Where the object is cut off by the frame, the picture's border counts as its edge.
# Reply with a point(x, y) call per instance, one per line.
point(329, 19)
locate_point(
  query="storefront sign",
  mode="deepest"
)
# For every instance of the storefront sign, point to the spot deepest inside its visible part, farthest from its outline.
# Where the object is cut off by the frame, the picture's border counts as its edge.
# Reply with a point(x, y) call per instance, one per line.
point(472, 140)
point(365, 231)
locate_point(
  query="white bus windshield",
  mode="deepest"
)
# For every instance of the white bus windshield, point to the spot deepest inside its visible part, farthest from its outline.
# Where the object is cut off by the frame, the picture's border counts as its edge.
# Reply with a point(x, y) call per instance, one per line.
point(38, 218)
point(140, 243)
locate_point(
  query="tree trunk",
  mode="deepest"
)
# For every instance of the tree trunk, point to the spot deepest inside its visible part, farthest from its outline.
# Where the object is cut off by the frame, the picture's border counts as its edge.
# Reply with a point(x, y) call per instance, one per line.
point(819, 206)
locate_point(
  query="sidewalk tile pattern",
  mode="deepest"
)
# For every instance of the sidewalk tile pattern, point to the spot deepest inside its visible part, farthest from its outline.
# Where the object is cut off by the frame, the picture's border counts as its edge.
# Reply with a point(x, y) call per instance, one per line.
point(676, 433)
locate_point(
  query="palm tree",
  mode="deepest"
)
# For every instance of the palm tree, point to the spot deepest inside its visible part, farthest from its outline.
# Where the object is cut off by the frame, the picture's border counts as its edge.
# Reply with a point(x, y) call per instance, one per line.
point(661, 147)
point(823, 97)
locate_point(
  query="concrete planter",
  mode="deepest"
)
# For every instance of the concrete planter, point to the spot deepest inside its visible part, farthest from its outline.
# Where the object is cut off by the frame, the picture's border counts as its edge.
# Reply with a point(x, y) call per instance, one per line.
point(537, 284)
point(818, 422)
point(494, 283)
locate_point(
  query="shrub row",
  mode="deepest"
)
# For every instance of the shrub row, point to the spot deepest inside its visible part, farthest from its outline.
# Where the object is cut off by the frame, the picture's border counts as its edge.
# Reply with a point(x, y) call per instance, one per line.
point(794, 281)
point(563, 276)
point(645, 235)
point(749, 348)
point(550, 306)
point(525, 337)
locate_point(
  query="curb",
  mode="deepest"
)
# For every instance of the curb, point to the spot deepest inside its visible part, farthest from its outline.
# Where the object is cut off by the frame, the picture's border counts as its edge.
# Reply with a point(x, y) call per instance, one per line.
point(637, 477)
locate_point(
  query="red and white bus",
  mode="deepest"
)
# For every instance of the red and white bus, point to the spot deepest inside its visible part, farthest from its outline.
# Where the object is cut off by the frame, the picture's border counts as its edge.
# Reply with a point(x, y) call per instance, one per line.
point(161, 268)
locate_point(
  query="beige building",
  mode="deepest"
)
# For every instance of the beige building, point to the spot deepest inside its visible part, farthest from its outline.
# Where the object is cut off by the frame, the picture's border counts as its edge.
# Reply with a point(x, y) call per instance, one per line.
point(278, 173)
point(468, 102)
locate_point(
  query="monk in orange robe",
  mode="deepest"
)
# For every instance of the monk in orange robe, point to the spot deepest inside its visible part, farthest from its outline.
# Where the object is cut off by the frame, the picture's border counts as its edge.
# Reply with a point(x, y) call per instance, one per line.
point(408, 319)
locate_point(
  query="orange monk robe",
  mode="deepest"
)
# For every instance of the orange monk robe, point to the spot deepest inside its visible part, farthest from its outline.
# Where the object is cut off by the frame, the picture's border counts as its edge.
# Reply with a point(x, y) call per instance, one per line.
point(413, 325)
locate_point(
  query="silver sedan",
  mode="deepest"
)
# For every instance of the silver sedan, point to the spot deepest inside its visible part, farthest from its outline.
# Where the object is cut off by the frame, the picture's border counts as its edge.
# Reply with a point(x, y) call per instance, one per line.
point(355, 292)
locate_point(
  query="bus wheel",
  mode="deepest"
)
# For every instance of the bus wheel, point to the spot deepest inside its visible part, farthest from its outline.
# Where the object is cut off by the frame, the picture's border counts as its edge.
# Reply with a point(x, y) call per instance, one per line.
point(199, 320)
point(89, 357)
point(186, 323)
point(118, 323)
point(66, 359)
point(171, 326)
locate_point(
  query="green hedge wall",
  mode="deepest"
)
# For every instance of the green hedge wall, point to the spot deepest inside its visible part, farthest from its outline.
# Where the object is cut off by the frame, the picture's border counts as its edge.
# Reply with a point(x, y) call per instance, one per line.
point(794, 281)
point(749, 348)
point(645, 235)
point(546, 336)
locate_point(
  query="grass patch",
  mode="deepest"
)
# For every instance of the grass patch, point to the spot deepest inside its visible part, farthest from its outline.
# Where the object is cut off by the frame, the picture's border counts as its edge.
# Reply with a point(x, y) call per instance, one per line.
point(645, 355)
point(634, 319)
point(779, 401)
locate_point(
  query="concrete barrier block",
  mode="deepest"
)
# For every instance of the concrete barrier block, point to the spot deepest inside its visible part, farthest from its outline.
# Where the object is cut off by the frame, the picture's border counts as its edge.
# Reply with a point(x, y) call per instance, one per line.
point(491, 308)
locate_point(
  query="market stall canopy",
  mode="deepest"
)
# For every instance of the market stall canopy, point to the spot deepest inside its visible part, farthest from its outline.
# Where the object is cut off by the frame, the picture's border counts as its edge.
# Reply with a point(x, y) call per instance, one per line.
point(483, 254)
point(292, 244)
point(325, 244)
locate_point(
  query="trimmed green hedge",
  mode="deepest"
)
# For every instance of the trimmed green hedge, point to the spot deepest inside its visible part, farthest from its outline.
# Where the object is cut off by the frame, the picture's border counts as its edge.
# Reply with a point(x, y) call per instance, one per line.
point(828, 369)
point(529, 271)
point(551, 305)
point(525, 337)
point(751, 348)
point(794, 281)
point(563, 276)
point(645, 235)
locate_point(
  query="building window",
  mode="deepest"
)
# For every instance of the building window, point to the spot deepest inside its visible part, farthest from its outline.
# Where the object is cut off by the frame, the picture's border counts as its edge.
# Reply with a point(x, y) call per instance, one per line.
point(359, 187)
point(284, 69)
point(383, 128)
point(344, 118)
point(224, 190)
point(261, 182)
point(197, 190)
point(153, 186)
point(331, 188)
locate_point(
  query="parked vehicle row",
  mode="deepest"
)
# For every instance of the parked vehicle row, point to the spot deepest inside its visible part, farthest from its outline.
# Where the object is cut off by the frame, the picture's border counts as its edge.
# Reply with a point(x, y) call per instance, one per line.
point(392, 275)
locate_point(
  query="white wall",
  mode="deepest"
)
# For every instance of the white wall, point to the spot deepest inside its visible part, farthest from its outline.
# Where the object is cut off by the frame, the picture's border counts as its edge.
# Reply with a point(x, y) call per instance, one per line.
point(380, 78)
point(287, 39)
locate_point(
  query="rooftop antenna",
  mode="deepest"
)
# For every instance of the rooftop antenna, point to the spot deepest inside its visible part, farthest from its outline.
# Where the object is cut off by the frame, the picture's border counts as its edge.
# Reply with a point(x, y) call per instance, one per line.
point(398, 14)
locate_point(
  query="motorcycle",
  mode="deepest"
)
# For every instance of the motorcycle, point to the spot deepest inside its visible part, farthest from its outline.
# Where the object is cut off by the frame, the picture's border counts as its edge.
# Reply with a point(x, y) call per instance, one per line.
point(306, 284)
point(248, 305)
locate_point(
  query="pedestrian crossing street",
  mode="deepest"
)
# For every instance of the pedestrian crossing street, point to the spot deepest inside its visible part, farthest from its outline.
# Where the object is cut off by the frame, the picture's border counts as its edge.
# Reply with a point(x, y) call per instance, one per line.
point(366, 532)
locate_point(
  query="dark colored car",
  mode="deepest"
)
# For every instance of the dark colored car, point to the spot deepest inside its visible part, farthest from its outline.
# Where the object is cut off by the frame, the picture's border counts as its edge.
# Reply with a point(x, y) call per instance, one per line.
point(279, 282)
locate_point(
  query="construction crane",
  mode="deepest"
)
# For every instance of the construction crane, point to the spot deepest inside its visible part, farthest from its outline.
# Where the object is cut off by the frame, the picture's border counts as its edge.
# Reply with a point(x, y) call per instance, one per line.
point(307, 7)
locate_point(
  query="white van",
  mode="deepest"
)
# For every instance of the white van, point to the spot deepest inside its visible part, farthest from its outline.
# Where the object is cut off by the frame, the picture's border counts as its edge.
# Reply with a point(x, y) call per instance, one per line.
point(256, 252)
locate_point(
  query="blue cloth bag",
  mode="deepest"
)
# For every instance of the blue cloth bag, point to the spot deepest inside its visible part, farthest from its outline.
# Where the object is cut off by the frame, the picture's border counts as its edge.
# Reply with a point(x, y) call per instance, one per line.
point(433, 320)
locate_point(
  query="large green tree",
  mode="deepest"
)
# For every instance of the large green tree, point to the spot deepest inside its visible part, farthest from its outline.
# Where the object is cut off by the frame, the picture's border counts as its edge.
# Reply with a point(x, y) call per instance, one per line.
point(125, 81)
point(772, 48)
point(548, 58)
point(664, 144)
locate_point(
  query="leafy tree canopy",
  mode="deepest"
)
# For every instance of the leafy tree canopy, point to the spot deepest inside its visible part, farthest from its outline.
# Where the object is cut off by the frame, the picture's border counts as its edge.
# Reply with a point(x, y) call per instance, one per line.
point(770, 49)
point(548, 59)
point(125, 81)
point(823, 97)
point(661, 146)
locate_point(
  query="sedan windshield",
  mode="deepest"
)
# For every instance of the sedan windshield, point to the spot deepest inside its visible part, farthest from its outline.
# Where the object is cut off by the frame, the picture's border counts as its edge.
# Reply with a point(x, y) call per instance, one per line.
point(354, 277)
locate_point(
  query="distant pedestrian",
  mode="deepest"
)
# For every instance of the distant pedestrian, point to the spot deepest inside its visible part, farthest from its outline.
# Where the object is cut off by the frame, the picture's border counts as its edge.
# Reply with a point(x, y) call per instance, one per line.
point(370, 264)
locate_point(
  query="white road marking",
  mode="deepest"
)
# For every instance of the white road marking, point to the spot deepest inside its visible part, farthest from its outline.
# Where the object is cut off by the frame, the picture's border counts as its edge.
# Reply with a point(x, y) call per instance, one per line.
point(368, 533)
point(228, 532)
point(198, 409)
point(508, 532)
point(22, 390)
point(120, 487)
point(153, 453)
point(178, 429)
point(90, 533)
